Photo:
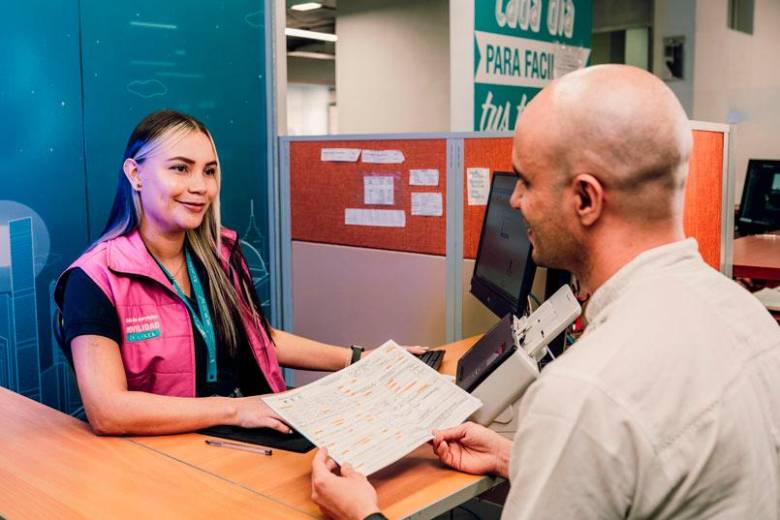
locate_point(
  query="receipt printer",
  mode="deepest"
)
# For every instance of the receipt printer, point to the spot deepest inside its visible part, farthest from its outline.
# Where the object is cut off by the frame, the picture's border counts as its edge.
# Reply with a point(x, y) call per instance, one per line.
point(499, 367)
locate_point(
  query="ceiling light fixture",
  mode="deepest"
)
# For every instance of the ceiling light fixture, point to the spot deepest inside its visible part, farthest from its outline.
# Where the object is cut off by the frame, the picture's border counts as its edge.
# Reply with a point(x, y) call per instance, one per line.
point(311, 55)
point(311, 35)
point(306, 6)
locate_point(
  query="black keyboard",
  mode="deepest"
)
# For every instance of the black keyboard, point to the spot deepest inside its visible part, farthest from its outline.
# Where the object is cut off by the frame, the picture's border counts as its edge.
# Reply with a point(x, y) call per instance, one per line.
point(432, 358)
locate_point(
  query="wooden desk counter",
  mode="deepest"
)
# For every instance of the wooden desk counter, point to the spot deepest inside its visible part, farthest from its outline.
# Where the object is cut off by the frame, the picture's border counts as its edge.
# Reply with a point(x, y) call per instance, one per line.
point(53, 466)
point(758, 256)
point(418, 486)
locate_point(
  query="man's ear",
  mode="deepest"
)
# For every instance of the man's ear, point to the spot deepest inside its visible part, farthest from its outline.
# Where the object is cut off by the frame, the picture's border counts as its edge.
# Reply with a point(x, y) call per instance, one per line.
point(589, 196)
point(130, 168)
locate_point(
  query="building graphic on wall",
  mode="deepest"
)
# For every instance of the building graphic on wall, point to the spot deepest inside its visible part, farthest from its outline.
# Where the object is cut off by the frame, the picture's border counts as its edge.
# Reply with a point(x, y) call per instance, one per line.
point(253, 243)
point(18, 314)
point(20, 345)
point(5, 337)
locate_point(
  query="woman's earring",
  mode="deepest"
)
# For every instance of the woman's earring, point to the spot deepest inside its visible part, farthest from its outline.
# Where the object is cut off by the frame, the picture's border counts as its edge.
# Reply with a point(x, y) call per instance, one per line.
point(138, 186)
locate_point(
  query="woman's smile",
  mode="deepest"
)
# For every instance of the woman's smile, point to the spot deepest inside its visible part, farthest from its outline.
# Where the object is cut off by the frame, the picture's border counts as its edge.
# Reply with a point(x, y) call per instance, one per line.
point(193, 206)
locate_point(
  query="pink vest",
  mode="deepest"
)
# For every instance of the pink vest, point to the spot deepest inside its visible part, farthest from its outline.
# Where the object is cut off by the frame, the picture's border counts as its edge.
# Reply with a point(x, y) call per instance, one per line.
point(158, 349)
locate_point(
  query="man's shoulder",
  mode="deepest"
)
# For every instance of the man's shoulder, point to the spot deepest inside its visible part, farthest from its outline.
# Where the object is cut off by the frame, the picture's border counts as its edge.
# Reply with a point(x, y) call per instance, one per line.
point(572, 398)
point(664, 338)
point(681, 306)
point(578, 379)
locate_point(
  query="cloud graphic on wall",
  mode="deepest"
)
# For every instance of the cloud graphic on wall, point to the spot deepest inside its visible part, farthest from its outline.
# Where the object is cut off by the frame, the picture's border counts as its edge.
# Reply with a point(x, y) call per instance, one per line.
point(147, 89)
point(254, 19)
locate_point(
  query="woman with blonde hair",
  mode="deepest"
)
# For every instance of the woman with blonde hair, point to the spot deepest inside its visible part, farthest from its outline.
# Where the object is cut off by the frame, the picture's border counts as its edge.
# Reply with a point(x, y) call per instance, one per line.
point(160, 316)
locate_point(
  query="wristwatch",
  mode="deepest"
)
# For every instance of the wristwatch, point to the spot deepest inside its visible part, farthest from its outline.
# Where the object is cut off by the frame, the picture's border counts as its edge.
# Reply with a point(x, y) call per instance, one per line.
point(357, 352)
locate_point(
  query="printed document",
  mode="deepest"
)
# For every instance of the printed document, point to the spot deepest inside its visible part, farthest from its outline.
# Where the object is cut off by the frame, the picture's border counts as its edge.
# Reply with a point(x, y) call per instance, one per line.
point(378, 189)
point(376, 411)
point(429, 177)
point(478, 183)
point(569, 58)
point(427, 204)
point(339, 154)
point(374, 217)
point(383, 156)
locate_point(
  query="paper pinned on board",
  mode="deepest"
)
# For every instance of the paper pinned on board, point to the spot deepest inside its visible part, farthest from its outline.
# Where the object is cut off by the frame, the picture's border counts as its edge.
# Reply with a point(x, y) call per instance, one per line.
point(427, 204)
point(569, 58)
point(375, 411)
point(427, 177)
point(478, 183)
point(339, 154)
point(383, 156)
point(378, 189)
point(375, 217)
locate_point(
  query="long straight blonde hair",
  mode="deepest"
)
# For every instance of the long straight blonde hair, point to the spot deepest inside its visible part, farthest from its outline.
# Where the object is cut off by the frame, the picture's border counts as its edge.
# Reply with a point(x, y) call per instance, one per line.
point(155, 130)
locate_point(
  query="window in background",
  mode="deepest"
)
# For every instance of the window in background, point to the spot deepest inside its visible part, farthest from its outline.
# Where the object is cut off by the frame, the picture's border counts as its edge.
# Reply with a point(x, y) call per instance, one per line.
point(622, 32)
point(310, 40)
point(741, 15)
point(308, 108)
point(629, 46)
point(637, 49)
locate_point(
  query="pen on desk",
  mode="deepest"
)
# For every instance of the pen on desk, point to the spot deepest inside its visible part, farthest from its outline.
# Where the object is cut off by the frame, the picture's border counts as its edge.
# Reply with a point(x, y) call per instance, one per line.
point(236, 446)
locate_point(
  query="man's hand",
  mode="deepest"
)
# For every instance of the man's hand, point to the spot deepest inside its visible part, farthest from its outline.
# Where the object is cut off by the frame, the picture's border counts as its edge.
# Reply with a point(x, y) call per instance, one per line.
point(349, 495)
point(472, 448)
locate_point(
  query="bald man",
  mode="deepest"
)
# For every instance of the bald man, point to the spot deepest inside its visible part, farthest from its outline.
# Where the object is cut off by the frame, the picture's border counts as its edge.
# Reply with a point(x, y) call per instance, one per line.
point(669, 404)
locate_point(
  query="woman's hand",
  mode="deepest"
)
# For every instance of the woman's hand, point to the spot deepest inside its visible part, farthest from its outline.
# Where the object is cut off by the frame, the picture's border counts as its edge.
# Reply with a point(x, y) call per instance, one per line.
point(252, 412)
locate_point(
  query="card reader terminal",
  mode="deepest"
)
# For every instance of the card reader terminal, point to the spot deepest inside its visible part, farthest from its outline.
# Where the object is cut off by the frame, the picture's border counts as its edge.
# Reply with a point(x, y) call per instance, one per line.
point(486, 355)
point(503, 363)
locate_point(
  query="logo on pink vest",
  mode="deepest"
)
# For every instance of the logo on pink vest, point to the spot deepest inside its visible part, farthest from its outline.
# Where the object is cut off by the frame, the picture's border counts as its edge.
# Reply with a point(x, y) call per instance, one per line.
point(142, 327)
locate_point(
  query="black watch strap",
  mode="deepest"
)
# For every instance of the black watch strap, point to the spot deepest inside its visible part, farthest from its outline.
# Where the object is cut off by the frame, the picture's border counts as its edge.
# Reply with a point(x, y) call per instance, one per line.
point(357, 352)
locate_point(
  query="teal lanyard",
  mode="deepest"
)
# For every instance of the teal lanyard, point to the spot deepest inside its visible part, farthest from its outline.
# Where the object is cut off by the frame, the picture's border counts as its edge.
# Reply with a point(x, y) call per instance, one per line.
point(201, 319)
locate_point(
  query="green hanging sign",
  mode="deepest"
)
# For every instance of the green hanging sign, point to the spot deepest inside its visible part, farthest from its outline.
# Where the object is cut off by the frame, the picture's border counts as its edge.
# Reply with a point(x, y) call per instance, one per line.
point(519, 47)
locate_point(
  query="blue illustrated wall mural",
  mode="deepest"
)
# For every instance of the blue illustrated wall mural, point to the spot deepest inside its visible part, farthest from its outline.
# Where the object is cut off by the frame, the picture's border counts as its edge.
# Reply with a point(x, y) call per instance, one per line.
point(78, 75)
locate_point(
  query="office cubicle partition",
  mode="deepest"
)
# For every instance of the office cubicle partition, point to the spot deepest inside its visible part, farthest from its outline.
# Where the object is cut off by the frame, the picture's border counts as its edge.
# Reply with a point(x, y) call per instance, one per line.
point(407, 278)
point(708, 216)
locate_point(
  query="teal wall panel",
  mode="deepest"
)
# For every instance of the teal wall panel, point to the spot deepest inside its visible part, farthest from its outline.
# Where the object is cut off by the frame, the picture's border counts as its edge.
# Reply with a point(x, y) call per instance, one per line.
point(42, 198)
point(206, 59)
point(78, 76)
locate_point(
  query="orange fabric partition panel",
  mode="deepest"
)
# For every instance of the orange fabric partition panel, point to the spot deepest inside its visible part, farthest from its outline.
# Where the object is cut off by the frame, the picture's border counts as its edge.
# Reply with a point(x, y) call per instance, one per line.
point(320, 192)
point(488, 152)
point(703, 216)
point(703, 195)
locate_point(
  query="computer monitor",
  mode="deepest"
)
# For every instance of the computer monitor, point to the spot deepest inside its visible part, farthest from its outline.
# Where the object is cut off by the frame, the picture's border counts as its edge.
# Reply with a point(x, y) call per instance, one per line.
point(760, 207)
point(504, 271)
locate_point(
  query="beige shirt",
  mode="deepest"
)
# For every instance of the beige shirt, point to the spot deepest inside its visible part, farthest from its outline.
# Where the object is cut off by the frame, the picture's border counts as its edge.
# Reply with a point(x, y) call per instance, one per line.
point(667, 407)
